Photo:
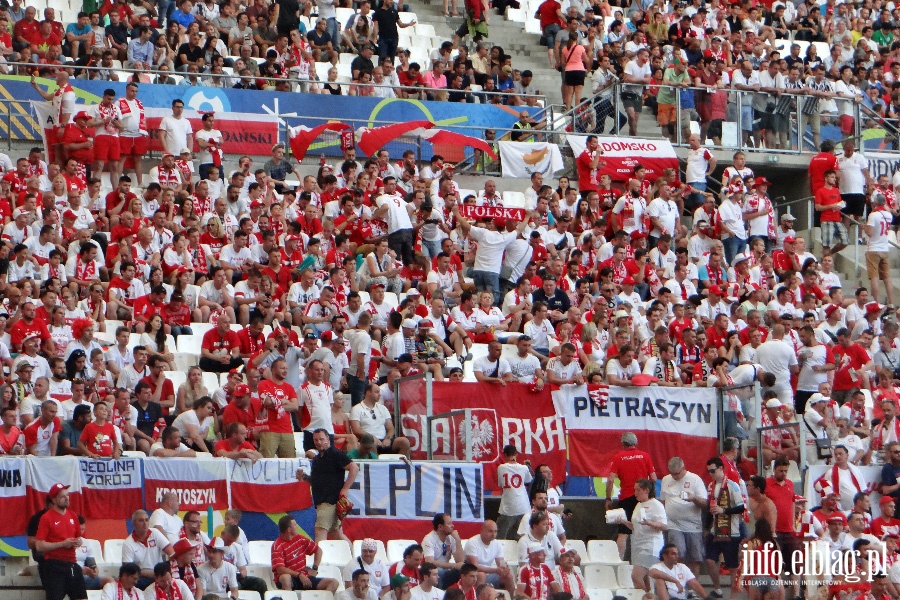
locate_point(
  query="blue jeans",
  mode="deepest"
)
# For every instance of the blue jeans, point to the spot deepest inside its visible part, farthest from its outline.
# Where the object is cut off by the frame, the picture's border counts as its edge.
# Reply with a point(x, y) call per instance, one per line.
point(181, 330)
point(165, 9)
point(357, 388)
point(331, 27)
point(696, 198)
point(486, 280)
point(387, 47)
point(733, 247)
point(431, 248)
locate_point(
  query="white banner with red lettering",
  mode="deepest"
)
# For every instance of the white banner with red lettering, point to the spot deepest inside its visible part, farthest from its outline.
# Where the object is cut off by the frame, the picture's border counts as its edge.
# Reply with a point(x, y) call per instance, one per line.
point(521, 159)
point(492, 212)
point(268, 486)
point(667, 421)
point(198, 482)
point(622, 155)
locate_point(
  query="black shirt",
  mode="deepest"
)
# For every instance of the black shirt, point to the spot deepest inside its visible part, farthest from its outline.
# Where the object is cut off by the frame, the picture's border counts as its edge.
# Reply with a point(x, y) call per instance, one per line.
point(328, 474)
point(287, 14)
point(119, 33)
point(193, 54)
point(31, 531)
point(362, 64)
point(558, 301)
point(147, 419)
point(387, 19)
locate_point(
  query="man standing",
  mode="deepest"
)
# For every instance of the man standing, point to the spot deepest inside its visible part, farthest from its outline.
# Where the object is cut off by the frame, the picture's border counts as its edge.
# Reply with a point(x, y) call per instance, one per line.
point(393, 209)
point(853, 179)
point(588, 165)
point(58, 536)
point(724, 536)
point(512, 478)
point(328, 483)
point(629, 465)
point(878, 225)
point(700, 164)
point(279, 400)
point(778, 357)
point(176, 131)
point(684, 495)
point(134, 136)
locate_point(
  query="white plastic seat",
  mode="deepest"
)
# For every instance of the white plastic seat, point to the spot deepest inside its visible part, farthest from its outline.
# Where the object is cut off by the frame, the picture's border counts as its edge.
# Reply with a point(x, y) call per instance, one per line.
point(332, 572)
point(391, 299)
point(599, 576)
point(177, 378)
point(189, 344)
point(604, 552)
point(318, 595)
point(200, 329)
point(598, 594)
point(380, 552)
point(129, 454)
point(261, 553)
point(580, 550)
point(424, 29)
point(395, 549)
point(630, 593)
point(624, 574)
point(335, 552)
point(248, 595)
point(112, 550)
point(94, 594)
point(95, 550)
point(514, 200)
point(515, 14)
point(211, 381)
point(284, 595)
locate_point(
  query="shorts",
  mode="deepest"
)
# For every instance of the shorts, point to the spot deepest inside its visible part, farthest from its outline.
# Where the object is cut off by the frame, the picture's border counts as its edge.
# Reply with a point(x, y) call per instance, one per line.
point(296, 584)
point(856, 204)
point(106, 147)
point(766, 120)
point(833, 233)
point(63, 579)
point(277, 444)
point(728, 549)
point(133, 145)
point(644, 560)
point(549, 36)
point(780, 123)
point(666, 113)
point(690, 545)
point(627, 504)
point(574, 79)
point(877, 265)
point(326, 517)
point(746, 118)
point(632, 101)
point(846, 122)
point(815, 122)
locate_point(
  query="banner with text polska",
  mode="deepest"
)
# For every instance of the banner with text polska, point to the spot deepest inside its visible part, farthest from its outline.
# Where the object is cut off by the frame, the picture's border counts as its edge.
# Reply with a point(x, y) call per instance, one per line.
point(668, 422)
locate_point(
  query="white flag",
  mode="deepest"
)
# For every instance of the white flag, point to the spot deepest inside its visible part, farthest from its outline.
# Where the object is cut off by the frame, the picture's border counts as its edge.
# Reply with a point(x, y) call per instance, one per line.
point(521, 159)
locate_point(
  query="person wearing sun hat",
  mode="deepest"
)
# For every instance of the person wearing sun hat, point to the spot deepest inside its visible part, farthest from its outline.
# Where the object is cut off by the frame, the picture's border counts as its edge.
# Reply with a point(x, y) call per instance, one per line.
point(217, 576)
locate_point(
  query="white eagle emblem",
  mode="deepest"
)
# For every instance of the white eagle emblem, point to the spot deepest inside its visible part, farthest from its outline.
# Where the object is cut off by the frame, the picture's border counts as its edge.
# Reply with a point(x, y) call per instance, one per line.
point(481, 435)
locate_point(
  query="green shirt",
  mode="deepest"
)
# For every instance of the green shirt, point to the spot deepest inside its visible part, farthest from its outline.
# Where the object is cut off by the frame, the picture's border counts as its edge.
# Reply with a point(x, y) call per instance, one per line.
point(666, 94)
point(884, 40)
point(355, 455)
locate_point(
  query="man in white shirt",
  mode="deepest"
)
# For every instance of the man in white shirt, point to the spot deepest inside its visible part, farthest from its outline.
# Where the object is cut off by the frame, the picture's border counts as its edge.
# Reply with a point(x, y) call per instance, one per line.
point(525, 366)
point(539, 533)
point(428, 581)
point(379, 578)
point(176, 130)
point(216, 575)
point(146, 547)
point(166, 519)
point(443, 547)
point(370, 416)
point(493, 368)
point(162, 574)
point(671, 579)
point(393, 209)
point(512, 479)
point(685, 498)
point(778, 357)
point(878, 225)
point(360, 588)
point(486, 553)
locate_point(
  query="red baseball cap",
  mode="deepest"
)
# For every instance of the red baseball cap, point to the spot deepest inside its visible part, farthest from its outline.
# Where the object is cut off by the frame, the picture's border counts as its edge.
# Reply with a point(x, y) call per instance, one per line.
point(55, 490)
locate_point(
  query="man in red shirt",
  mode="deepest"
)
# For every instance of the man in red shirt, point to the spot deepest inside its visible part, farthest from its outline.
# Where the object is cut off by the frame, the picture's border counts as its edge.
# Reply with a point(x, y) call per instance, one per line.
point(27, 325)
point(119, 200)
point(829, 204)
point(279, 399)
point(245, 410)
point(851, 358)
point(780, 490)
point(251, 337)
point(819, 164)
point(42, 38)
point(236, 446)
point(589, 165)
point(78, 140)
point(161, 387)
point(147, 306)
point(289, 552)
point(58, 535)
point(220, 348)
point(629, 464)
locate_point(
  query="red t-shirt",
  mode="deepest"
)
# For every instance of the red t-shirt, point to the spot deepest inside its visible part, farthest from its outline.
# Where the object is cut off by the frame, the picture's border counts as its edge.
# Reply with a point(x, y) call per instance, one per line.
point(250, 344)
point(881, 525)
point(827, 196)
point(227, 446)
point(587, 177)
point(818, 164)
point(168, 388)
point(114, 197)
point(20, 330)
point(214, 342)
point(144, 308)
point(57, 527)
point(247, 417)
point(631, 465)
point(823, 518)
point(177, 317)
point(279, 420)
point(404, 569)
point(783, 497)
point(99, 439)
point(292, 553)
point(847, 357)
point(75, 135)
point(547, 13)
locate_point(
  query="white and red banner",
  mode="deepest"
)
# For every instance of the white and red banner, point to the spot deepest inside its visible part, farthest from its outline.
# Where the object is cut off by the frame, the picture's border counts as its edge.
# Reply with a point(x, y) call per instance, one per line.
point(622, 155)
point(242, 133)
point(198, 482)
point(13, 504)
point(516, 416)
point(44, 473)
point(110, 489)
point(667, 421)
point(492, 212)
point(522, 159)
point(268, 486)
point(403, 497)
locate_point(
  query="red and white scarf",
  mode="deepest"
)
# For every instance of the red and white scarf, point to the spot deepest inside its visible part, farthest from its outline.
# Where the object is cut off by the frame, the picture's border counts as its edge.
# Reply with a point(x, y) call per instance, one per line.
point(174, 592)
point(108, 112)
point(836, 479)
point(537, 581)
point(57, 96)
point(131, 595)
point(567, 583)
point(125, 109)
point(85, 271)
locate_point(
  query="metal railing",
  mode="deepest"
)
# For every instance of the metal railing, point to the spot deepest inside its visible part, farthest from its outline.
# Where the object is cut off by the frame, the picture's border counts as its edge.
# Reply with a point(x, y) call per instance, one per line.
point(799, 139)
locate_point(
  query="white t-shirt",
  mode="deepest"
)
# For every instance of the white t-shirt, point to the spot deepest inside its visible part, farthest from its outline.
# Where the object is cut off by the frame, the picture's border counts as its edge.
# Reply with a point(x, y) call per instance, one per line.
point(513, 479)
point(880, 222)
point(808, 380)
point(683, 514)
point(417, 593)
point(205, 156)
point(850, 173)
point(372, 420)
point(491, 244)
point(110, 591)
point(397, 217)
point(145, 556)
point(218, 581)
point(539, 334)
point(777, 357)
point(645, 540)
point(438, 549)
point(170, 524)
point(318, 400)
point(189, 417)
point(186, 593)
point(392, 347)
point(175, 132)
point(523, 369)
point(638, 72)
point(680, 572)
point(485, 365)
point(486, 555)
point(378, 572)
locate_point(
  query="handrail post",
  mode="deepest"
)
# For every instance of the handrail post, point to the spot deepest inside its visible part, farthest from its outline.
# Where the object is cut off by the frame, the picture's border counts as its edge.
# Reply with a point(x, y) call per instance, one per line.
point(678, 136)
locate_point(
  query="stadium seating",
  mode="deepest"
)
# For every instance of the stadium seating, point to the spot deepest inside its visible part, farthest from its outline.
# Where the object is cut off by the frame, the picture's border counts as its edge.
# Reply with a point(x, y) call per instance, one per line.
point(600, 576)
point(248, 595)
point(335, 552)
point(604, 552)
point(630, 593)
point(112, 549)
point(395, 549)
point(623, 573)
point(599, 594)
point(260, 553)
point(284, 595)
point(580, 550)
point(319, 595)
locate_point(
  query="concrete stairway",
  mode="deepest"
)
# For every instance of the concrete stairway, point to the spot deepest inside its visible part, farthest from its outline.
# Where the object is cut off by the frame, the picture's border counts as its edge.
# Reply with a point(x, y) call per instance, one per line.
point(524, 47)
